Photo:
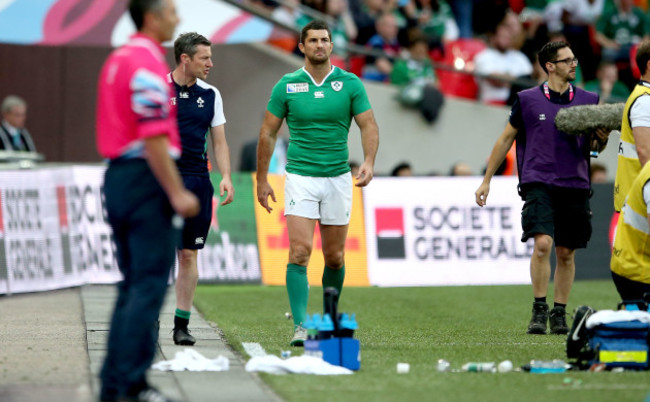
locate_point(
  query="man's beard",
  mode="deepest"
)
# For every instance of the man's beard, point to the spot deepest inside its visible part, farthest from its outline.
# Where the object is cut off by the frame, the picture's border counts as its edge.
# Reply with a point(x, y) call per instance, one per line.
point(318, 60)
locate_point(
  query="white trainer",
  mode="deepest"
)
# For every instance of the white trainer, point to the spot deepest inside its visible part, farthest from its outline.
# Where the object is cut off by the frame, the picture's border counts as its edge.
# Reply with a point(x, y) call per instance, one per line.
point(299, 336)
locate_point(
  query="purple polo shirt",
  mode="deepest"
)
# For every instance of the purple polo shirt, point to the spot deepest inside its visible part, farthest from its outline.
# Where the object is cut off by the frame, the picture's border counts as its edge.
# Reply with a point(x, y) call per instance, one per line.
point(545, 154)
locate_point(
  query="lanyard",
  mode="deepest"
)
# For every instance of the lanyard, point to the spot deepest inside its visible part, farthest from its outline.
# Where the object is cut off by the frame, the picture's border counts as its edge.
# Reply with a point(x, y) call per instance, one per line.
point(548, 94)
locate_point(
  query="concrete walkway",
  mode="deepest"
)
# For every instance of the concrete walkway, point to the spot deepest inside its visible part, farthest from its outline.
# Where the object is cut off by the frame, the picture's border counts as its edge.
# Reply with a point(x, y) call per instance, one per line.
point(52, 346)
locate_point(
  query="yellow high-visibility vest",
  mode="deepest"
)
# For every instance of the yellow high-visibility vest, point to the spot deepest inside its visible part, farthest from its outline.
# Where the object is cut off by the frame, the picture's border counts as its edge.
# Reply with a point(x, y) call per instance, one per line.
point(631, 253)
point(628, 160)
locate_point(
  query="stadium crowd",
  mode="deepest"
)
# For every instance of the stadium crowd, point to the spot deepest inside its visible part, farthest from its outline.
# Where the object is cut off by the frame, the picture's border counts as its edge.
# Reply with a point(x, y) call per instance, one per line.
point(479, 49)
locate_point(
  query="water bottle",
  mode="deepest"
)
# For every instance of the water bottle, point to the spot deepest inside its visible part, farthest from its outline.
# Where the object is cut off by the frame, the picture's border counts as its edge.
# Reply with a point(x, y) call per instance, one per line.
point(547, 366)
point(316, 321)
point(348, 325)
point(310, 326)
point(330, 307)
point(326, 328)
point(477, 367)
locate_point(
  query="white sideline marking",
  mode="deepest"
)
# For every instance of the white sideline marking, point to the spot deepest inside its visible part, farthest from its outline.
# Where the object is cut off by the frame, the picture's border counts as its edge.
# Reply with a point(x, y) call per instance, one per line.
point(494, 343)
point(254, 349)
point(572, 387)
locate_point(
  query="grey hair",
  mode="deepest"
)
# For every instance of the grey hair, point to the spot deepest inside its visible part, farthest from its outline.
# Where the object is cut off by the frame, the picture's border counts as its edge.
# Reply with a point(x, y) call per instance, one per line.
point(11, 101)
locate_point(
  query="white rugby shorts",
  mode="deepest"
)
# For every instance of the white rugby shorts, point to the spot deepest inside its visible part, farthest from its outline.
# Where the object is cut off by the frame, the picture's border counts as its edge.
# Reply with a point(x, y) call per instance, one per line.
point(328, 199)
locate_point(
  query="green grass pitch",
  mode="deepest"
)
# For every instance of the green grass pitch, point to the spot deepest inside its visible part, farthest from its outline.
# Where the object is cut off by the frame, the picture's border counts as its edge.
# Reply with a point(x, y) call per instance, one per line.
point(419, 326)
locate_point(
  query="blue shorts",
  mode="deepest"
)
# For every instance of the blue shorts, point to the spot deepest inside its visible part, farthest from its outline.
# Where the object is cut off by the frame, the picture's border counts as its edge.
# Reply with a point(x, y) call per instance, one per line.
point(195, 231)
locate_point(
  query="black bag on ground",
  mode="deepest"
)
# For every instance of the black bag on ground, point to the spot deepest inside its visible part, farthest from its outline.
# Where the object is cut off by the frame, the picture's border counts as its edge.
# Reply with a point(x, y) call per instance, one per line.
point(577, 344)
point(616, 339)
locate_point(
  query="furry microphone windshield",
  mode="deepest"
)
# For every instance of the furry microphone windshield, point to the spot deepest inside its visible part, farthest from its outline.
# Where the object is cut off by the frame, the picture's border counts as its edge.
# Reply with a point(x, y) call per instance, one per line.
point(584, 120)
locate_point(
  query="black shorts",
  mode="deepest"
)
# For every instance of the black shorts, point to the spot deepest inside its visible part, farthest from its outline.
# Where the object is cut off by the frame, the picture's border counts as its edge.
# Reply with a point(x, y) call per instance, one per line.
point(195, 231)
point(562, 213)
point(629, 289)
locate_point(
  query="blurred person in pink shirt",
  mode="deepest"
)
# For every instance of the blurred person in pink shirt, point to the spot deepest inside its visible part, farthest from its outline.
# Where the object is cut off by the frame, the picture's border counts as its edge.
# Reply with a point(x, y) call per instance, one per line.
point(137, 132)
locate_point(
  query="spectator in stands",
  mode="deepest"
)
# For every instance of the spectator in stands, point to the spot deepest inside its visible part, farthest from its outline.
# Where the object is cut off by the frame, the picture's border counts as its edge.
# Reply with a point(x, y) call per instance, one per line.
point(460, 169)
point(405, 13)
point(402, 169)
point(416, 67)
point(463, 13)
point(385, 40)
point(578, 18)
point(436, 21)
point(598, 173)
point(287, 12)
point(500, 64)
point(416, 78)
point(532, 16)
point(365, 14)
point(517, 32)
point(607, 85)
point(344, 29)
point(487, 14)
point(619, 29)
point(13, 134)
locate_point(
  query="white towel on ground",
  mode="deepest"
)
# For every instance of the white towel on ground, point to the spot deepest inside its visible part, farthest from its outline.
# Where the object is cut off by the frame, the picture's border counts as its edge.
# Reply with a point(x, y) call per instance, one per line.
point(294, 365)
point(192, 360)
point(609, 316)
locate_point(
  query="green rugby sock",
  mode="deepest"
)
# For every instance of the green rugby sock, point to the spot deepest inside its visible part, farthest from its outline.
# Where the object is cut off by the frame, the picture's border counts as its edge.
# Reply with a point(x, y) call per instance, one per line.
point(298, 290)
point(333, 278)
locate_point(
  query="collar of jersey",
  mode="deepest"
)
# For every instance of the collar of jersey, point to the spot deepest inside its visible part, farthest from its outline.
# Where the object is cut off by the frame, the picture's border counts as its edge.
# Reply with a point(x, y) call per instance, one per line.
point(324, 79)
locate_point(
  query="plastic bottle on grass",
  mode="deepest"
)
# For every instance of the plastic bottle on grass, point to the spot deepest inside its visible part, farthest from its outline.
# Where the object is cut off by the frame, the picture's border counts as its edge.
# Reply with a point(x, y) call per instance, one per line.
point(310, 326)
point(326, 328)
point(476, 367)
point(548, 366)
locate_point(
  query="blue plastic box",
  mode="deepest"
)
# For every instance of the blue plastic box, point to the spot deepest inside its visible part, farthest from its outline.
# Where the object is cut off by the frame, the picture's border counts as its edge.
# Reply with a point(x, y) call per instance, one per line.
point(345, 352)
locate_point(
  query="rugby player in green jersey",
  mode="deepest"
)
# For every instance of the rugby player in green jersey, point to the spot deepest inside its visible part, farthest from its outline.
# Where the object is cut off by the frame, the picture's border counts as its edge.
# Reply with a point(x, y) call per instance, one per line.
point(318, 102)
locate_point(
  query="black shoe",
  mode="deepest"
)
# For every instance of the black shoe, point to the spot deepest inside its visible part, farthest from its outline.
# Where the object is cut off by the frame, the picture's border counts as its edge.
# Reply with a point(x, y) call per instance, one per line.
point(537, 323)
point(557, 321)
point(148, 394)
point(108, 395)
point(182, 337)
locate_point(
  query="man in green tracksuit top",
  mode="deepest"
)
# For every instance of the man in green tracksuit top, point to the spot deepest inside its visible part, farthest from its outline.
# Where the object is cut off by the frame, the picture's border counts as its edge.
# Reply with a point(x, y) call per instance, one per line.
point(318, 102)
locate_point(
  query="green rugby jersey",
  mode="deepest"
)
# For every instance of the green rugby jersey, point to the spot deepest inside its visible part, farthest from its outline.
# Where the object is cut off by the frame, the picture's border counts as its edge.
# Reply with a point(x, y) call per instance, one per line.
point(318, 117)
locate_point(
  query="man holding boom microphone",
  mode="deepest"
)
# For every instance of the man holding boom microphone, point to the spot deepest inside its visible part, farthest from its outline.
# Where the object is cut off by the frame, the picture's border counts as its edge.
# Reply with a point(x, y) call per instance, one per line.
point(553, 180)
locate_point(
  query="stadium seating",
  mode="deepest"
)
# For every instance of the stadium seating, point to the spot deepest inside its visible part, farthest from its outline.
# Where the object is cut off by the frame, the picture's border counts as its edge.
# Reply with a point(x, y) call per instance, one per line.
point(460, 54)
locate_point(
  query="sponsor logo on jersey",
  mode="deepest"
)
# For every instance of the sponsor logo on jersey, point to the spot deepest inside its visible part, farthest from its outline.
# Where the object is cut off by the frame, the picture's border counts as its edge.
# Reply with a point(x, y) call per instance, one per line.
point(319, 94)
point(184, 95)
point(542, 116)
point(337, 85)
point(199, 240)
point(295, 88)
